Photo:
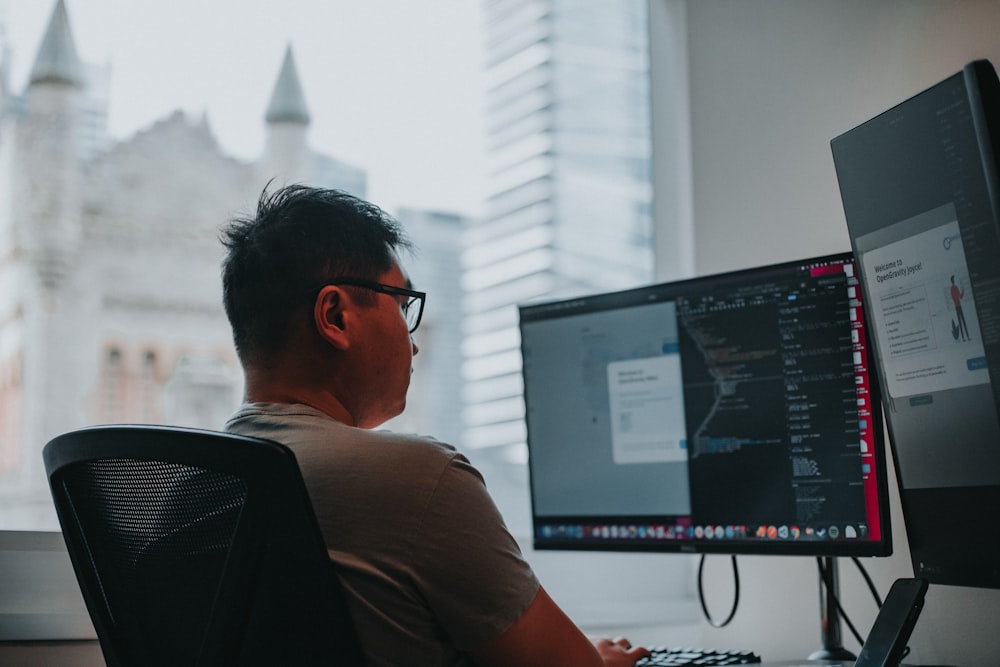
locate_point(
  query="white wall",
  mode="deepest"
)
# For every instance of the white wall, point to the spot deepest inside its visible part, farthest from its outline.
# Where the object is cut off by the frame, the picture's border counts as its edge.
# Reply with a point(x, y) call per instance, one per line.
point(769, 83)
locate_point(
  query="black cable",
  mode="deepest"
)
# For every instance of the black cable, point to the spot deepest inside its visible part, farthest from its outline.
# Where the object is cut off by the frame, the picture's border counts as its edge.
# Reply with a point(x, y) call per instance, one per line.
point(736, 596)
point(824, 576)
point(868, 580)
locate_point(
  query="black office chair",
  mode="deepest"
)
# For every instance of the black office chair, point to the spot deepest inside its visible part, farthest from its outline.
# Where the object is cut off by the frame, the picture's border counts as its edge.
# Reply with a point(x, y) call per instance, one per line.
point(197, 548)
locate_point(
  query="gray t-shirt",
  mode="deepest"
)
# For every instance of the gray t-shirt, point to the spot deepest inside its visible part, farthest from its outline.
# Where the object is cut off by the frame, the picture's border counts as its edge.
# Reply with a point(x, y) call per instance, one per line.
point(426, 561)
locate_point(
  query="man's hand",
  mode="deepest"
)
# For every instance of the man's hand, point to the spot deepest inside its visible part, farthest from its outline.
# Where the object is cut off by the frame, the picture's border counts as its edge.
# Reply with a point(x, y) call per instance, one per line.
point(619, 652)
point(545, 636)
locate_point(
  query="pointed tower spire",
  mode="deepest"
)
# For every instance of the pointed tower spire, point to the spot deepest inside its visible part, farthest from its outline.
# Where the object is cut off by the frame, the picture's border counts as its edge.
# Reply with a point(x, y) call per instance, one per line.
point(288, 104)
point(57, 60)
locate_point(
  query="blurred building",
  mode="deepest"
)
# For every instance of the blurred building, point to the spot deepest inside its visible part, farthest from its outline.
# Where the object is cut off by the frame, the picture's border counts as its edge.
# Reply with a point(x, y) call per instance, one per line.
point(433, 399)
point(110, 298)
point(570, 194)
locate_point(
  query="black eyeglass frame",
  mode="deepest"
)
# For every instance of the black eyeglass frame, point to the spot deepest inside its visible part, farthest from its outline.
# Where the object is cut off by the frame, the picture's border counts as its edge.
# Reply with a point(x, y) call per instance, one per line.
point(391, 290)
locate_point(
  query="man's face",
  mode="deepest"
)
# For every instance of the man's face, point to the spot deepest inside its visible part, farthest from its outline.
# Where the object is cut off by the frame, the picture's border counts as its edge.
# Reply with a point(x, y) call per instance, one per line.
point(386, 352)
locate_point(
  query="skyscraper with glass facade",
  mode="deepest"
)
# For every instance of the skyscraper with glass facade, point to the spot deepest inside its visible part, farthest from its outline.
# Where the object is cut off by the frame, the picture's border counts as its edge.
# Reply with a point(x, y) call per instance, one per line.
point(569, 188)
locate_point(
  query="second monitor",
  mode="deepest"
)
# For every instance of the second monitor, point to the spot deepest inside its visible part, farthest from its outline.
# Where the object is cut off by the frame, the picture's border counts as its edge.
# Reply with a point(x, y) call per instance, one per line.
point(733, 413)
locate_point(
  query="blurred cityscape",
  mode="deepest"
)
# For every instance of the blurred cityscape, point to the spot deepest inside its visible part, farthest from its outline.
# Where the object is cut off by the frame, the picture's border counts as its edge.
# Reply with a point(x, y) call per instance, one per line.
point(110, 302)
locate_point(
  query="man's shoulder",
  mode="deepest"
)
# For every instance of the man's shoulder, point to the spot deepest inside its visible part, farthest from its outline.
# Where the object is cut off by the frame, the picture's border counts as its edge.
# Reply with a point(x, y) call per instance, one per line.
point(303, 428)
point(411, 440)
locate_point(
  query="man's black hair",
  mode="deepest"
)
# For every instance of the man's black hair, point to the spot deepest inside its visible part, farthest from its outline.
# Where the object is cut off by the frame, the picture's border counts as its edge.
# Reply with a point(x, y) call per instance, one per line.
point(298, 238)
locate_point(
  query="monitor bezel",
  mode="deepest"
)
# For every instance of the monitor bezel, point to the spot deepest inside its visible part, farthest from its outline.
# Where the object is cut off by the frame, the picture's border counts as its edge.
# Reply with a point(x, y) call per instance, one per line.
point(934, 556)
point(671, 290)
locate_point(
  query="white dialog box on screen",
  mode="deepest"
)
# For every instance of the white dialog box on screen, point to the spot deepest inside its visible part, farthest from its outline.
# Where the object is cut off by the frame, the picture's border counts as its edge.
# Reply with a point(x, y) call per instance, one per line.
point(647, 410)
point(925, 316)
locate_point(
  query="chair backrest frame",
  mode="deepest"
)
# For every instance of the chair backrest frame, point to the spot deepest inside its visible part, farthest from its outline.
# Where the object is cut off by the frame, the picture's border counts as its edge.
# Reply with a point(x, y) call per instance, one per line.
point(276, 600)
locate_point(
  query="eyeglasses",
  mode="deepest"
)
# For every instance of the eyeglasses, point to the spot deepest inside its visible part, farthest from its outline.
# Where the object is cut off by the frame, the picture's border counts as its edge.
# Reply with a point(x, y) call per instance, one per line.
point(413, 307)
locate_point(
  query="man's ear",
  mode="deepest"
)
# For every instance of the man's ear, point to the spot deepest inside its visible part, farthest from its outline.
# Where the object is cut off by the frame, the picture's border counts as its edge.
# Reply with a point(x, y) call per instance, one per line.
point(328, 316)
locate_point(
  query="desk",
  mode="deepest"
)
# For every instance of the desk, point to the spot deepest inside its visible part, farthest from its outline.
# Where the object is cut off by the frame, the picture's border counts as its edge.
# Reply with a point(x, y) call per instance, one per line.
point(83, 653)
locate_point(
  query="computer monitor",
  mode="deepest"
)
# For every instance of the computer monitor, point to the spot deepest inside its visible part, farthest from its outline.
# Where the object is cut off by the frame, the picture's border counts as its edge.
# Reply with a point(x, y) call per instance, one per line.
point(921, 195)
point(734, 413)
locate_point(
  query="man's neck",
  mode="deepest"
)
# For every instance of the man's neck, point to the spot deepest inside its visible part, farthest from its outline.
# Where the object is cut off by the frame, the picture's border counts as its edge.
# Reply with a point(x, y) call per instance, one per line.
point(269, 390)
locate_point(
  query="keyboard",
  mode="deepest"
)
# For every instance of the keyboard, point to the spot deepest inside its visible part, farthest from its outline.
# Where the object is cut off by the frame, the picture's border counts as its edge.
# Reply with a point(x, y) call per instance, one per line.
point(703, 657)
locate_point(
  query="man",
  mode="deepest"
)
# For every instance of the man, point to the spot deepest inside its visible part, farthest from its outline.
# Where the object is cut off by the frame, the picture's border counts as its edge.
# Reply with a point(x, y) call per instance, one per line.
point(322, 316)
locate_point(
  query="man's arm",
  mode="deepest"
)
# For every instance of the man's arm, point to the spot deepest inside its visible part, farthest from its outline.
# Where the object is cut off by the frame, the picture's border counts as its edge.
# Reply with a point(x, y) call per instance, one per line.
point(545, 636)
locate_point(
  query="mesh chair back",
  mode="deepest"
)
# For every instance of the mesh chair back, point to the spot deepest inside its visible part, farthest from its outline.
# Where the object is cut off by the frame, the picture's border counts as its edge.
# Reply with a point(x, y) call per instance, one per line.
point(197, 548)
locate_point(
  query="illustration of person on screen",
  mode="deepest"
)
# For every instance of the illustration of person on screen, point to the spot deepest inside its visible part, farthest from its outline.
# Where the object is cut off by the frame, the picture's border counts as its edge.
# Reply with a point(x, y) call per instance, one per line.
point(957, 294)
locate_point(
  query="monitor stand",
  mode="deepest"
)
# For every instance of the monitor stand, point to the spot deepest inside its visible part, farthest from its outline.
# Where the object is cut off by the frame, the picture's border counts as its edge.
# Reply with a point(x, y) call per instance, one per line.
point(829, 591)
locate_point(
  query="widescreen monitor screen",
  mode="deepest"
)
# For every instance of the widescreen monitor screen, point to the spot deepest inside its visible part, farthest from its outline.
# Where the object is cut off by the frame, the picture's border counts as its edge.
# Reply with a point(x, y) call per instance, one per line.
point(733, 413)
point(921, 194)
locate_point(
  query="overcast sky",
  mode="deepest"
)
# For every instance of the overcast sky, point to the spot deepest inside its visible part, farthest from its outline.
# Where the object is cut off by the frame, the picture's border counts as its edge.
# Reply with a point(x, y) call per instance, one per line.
point(393, 86)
